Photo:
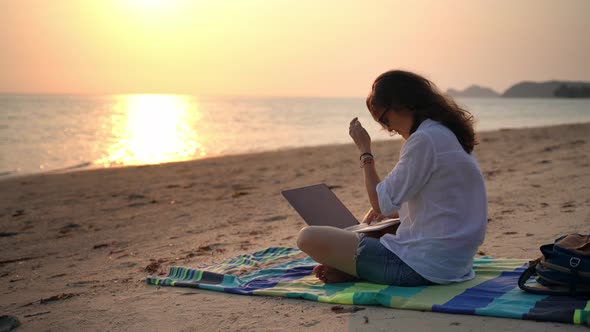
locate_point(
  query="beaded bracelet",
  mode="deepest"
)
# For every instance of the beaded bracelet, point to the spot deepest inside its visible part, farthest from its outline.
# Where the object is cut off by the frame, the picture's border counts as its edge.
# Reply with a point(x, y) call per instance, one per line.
point(367, 160)
point(366, 154)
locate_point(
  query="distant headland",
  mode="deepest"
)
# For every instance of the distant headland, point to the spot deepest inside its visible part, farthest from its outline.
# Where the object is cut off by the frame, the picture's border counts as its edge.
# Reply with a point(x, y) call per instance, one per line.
point(526, 89)
point(473, 91)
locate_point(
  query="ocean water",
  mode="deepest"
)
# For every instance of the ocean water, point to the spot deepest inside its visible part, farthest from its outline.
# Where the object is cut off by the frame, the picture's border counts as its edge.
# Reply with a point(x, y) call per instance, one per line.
point(41, 133)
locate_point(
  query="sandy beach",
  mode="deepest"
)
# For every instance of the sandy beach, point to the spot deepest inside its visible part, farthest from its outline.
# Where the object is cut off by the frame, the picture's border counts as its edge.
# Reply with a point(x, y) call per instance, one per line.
point(87, 237)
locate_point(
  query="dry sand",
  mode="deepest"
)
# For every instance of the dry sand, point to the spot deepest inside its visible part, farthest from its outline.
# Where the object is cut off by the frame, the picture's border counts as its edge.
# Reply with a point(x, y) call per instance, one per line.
point(91, 234)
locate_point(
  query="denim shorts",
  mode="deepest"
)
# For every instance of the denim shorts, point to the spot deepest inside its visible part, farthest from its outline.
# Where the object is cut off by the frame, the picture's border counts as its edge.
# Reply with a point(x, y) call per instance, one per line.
point(376, 263)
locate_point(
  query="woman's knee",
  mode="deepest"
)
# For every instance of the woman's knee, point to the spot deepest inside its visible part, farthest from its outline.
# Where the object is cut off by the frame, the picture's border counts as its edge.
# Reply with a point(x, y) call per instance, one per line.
point(315, 242)
point(304, 238)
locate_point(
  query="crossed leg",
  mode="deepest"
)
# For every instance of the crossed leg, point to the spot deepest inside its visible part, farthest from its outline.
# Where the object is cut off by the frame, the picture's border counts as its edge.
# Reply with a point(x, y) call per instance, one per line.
point(335, 250)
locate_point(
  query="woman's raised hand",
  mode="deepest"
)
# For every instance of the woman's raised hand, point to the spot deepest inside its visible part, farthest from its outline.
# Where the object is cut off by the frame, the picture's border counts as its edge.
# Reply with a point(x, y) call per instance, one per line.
point(360, 136)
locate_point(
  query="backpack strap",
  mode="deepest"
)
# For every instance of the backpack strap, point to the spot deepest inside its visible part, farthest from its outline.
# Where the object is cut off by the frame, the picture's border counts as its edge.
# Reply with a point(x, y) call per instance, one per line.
point(529, 272)
point(573, 282)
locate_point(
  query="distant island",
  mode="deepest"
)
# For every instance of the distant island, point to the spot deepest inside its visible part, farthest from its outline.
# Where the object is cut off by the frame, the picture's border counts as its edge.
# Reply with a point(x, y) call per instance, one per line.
point(526, 89)
point(473, 91)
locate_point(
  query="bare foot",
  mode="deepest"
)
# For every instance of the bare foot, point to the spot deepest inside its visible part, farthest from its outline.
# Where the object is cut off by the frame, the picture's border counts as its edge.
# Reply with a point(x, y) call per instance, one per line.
point(330, 275)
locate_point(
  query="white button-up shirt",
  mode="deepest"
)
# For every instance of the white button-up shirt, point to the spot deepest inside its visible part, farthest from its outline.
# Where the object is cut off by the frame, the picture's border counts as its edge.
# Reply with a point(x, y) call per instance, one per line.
point(439, 192)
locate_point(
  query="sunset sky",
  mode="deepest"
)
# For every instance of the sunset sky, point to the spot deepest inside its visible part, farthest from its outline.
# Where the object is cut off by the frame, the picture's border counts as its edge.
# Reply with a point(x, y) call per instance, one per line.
point(284, 47)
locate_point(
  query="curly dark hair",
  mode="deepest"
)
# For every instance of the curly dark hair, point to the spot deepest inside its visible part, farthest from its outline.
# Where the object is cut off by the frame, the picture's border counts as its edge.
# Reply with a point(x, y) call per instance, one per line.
point(397, 89)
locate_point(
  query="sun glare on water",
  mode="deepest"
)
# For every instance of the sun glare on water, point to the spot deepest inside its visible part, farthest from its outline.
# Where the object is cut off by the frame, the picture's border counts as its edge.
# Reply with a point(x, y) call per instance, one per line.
point(152, 129)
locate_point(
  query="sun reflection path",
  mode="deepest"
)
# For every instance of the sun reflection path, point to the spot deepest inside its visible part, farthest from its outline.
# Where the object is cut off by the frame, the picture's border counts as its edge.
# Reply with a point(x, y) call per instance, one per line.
point(152, 129)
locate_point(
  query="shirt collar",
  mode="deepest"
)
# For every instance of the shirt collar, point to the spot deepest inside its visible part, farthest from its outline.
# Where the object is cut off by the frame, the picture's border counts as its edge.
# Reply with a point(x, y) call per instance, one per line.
point(425, 124)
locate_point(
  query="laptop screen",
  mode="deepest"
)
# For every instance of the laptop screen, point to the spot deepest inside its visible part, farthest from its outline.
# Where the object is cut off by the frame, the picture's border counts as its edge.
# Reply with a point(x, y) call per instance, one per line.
point(319, 206)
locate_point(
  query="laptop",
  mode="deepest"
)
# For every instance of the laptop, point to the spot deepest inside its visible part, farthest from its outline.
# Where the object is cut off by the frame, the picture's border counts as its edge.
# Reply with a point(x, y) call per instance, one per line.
point(319, 206)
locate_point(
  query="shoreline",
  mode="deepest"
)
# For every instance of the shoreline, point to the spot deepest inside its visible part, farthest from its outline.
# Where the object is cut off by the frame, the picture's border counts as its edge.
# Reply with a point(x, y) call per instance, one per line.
point(92, 233)
point(88, 166)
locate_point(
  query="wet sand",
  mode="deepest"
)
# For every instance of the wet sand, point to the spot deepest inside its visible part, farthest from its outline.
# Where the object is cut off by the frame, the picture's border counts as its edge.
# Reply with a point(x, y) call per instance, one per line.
point(74, 247)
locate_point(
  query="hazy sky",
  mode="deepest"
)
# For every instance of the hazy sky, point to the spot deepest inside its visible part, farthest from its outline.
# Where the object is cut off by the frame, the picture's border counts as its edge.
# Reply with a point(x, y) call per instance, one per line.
point(284, 47)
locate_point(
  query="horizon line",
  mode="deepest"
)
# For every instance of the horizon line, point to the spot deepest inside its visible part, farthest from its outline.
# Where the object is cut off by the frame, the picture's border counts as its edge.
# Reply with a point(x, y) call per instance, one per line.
point(224, 95)
point(170, 94)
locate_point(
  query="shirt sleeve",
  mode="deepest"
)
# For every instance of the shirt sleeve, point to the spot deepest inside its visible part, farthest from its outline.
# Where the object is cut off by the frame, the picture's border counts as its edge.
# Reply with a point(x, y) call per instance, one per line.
point(410, 174)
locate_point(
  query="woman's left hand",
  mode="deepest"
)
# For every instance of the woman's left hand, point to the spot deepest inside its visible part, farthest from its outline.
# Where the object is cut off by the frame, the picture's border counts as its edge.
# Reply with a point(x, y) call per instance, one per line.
point(360, 136)
point(373, 216)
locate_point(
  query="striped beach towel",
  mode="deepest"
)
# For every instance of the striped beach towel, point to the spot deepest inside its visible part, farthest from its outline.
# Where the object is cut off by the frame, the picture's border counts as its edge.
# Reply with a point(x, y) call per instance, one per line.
point(287, 272)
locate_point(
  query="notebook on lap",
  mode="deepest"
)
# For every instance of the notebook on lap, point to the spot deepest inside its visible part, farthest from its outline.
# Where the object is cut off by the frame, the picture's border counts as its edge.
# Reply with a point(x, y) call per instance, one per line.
point(319, 206)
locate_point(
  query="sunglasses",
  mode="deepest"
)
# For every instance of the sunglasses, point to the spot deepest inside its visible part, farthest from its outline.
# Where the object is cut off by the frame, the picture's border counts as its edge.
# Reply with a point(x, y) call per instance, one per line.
point(383, 120)
point(371, 108)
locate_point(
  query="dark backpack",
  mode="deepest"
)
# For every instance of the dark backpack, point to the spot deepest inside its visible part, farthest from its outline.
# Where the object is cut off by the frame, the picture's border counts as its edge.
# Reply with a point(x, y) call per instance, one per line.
point(564, 268)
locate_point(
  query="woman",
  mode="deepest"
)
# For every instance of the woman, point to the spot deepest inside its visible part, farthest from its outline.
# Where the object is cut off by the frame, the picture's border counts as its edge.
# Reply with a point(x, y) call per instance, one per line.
point(436, 188)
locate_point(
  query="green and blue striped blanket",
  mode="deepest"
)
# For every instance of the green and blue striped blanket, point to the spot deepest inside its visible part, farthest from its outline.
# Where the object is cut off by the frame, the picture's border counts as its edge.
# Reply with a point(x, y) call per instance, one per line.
point(287, 272)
